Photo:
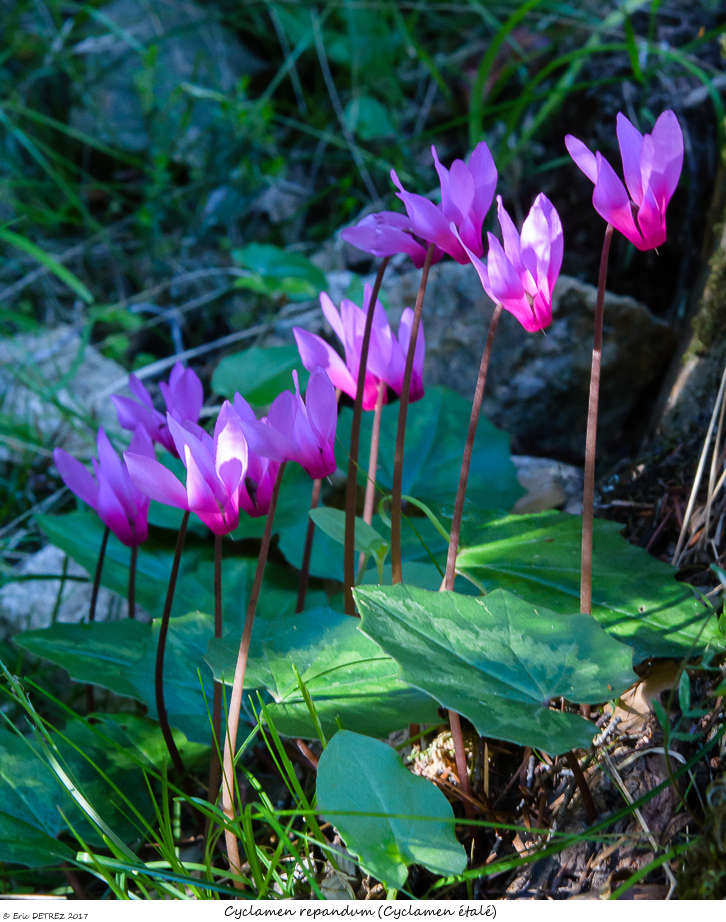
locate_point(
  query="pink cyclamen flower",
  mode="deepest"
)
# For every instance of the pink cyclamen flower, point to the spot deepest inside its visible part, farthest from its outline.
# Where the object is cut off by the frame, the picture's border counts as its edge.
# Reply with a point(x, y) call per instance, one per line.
point(652, 165)
point(258, 484)
point(386, 355)
point(119, 504)
point(299, 431)
point(182, 395)
point(521, 275)
point(385, 233)
point(216, 467)
point(467, 190)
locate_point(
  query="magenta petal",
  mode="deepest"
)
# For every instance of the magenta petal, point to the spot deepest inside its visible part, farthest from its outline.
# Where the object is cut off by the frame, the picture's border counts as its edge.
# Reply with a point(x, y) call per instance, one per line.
point(484, 171)
point(316, 353)
point(322, 406)
point(230, 447)
point(583, 157)
point(504, 282)
point(631, 147)
point(184, 395)
point(76, 477)
point(113, 514)
point(155, 481)
point(668, 149)
point(510, 235)
point(139, 390)
point(611, 201)
point(203, 498)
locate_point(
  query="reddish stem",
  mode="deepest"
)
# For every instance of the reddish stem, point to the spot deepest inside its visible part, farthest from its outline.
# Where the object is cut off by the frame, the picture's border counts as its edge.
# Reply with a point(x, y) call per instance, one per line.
point(397, 570)
point(235, 700)
point(351, 485)
point(370, 497)
point(588, 496)
point(308, 549)
point(90, 704)
point(213, 785)
point(455, 533)
point(460, 754)
point(161, 649)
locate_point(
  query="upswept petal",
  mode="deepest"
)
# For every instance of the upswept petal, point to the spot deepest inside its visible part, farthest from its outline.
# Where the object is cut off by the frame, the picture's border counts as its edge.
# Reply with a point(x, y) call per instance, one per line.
point(76, 477)
point(110, 463)
point(631, 148)
point(330, 312)
point(505, 284)
point(463, 190)
point(220, 518)
point(321, 406)
point(184, 395)
point(611, 201)
point(448, 206)
point(428, 221)
point(138, 389)
point(316, 353)
point(484, 171)
point(582, 156)
point(384, 234)
point(419, 354)
point(510, 235)
point(151, 478)
point(112, 513)
point(668, 149)
point(230, 445)
point(542, 236)
point(132, 415)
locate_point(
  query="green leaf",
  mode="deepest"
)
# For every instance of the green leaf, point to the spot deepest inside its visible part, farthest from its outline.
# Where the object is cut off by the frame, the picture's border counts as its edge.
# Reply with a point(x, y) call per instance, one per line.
point(332, 522)
point(23, 843)
point(368, 119)
point(436, 432)
point(498, 660)
point(388, 817)
point(275, 271)
point(259, 374)
point(635, 597)
point(347, 676)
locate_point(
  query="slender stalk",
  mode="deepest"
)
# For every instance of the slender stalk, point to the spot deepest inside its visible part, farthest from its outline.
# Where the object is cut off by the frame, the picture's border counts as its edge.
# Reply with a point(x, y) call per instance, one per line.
point(161, 649)
point(97, 575)
point(450, 573)
point(454, 535)
point(235, 701)
point(352, 483)
point(370, 497)
point(588, 496)
point(460, 755)
point(397, 574)
point(213, 785)
point(90, 705)
point(308, 549)
point(132, 581)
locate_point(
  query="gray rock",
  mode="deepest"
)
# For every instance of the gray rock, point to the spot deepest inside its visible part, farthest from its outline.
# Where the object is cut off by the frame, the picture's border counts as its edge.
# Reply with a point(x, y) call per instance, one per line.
point(30, 604)
point(538, 384)
point(52, 384)
point(549, 485)
point(140, 76)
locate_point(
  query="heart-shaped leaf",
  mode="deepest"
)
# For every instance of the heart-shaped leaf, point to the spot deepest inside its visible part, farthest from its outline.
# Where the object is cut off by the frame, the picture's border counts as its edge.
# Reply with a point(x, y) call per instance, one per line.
point(635, 597)
point(259, 373)
point(498, 660)
point(388, 817)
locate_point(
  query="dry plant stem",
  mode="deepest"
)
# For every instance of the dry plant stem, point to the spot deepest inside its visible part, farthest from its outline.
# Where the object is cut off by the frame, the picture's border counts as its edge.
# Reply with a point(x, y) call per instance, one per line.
point(235, 700)
point(352, 483)
point(583, 786)
point(370, 497)
point(588, 496)
point(308, 549)
point(450, 573)
point(213, 785)
point(132, 581)
point(94, 599)
point(161, 649)
point(397, 571)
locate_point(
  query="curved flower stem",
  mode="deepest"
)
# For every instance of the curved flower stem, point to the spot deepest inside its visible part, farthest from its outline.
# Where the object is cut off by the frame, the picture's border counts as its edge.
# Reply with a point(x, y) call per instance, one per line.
point(588, 496)
point(450, 573)
point(161, 649)
point(397, 571)
point(97, 575)
point(370, 497)
point(308, 549)
point(352, 482)
point(213, 785)
point(94, 599)
point(132, 581)
point(235, 700)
